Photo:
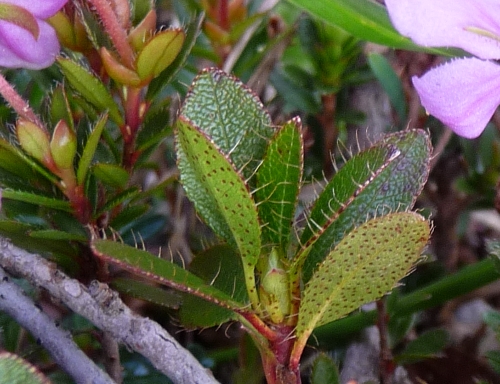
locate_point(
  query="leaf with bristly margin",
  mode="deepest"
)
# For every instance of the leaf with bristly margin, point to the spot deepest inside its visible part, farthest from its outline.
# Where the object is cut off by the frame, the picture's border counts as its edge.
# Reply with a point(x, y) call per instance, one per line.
point(164, 272)
point(232, 116)
point(219, 266)
point(364, 266)
point(218, 191)
point(90, 148)
point(13, 369)
point(278, 183)
point(90, 87)
point(385, 178)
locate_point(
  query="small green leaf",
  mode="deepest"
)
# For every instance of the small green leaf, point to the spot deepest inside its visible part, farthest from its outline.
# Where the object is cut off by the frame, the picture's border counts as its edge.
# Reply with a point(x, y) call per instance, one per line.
point(91, 88)
point(278, 182)
point(118, 199)
point(218, 191)
point(14, 370)
point(324, 370)
point(159, 83)
point(111, 174)
point(364, 266)
point(156, 269)
point(231, 116)
point(428, 344)
point(90, 148)
point(159, 53)
point(494, 360)
point(33, 198)
point(219, 266)
point(59, 107)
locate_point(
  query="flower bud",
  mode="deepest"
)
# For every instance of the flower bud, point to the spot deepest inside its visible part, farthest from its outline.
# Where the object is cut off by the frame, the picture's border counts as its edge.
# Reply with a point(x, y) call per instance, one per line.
point(143, 31)
point(274, 289)
point(33, 140)
point(63, 145)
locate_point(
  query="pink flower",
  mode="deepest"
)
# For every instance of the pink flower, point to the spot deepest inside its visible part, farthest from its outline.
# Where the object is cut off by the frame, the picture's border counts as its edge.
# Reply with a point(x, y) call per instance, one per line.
point(463, 93)
point(26, 40)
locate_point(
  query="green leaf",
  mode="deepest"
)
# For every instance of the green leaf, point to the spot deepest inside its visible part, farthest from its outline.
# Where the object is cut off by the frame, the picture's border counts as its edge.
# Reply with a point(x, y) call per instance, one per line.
point(159, 52)
point(59, 107)
point(219, 266)
point(33, 198)
point(364, 266)
point(218, 191)
point(15, 370)
point(89, 150)
point(324, 370)
point(428, 344)
point(494, 360)
point(160, 82)
point(54, 234)
point(91, 88)
point(118, 199)
point(390, 82)
point(111, 174)
point(383, 179)
point(150, 293)
point(278, 182)
point(156, 269)
point(364, 19)
point(231, 116)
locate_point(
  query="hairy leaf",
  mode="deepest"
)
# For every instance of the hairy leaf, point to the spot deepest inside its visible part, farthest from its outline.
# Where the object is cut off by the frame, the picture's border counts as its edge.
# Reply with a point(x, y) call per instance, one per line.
point(164, 272)
point(385, 178)
point(231, 115)
point(364, 266)
point(278, 182)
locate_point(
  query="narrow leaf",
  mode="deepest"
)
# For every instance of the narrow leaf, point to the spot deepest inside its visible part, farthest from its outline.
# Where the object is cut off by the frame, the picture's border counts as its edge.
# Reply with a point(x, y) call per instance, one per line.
point(363, 267)
point(89, 150)
point(54, 234)
point(278, 182)
point(428, 344)
point(153, 294)
point(232, 116)
point(111, 174)
point(154, 268)
point(90, 87)
point(33, 198)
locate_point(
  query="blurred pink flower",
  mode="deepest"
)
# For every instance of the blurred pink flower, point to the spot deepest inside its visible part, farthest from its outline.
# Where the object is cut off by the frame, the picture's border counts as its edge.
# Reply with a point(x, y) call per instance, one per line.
point(33, 45)
point(463, 93)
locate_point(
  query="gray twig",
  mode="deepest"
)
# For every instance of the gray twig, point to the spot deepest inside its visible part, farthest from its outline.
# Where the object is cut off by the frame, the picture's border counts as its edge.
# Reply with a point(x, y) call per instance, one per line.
point(58, 342)
point(103, 307)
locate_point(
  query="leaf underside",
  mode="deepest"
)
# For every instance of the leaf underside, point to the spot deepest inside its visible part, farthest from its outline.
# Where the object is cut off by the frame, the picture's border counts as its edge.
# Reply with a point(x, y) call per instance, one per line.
point(218, 191)
point(364, 266)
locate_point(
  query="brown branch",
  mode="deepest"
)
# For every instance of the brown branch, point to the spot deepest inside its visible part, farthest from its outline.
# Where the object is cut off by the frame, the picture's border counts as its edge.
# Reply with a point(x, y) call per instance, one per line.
point(56, 341)
point(102, 306)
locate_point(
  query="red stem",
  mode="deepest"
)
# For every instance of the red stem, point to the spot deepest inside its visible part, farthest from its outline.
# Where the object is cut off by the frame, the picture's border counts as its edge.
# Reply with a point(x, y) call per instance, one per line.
point(224, 15)
point(115, 31)
point(18, 103)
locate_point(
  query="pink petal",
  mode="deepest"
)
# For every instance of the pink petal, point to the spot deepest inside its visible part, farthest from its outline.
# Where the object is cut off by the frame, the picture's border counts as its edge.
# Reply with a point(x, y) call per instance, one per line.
point(463, 94)
point(42, 9)
point(18, 48)
point(443, 23)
